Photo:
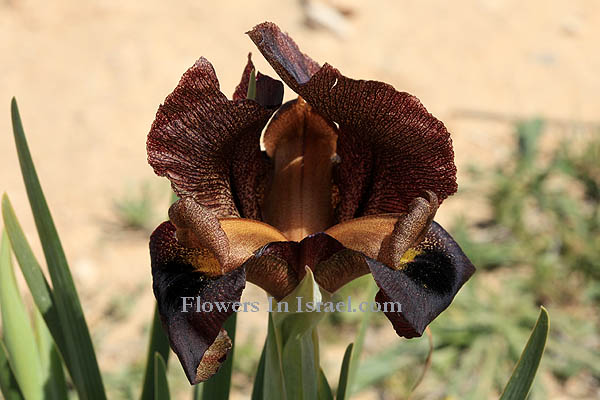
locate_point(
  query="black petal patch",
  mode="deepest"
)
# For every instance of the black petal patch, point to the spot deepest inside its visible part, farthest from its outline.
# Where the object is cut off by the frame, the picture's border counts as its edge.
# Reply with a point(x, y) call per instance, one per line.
point(425, 286)
point(433, 270)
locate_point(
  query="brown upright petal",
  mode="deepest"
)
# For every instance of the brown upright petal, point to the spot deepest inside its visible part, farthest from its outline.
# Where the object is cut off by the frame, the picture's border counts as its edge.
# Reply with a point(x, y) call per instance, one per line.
point(301, 144)
point(283, 54)
point(195, 335)
point(391, 148)
point(431, 275)
point(208, 146)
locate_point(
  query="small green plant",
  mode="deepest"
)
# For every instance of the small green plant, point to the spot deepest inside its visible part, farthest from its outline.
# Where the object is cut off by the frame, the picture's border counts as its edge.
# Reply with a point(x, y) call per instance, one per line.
point(539, 246)
point(136, 209)
point(545, 214)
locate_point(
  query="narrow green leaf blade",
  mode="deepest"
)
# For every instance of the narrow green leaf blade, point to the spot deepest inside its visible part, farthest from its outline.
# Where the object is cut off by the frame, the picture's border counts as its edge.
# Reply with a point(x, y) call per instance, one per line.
point(273, 382)
point(18, 334)
point(197, 393)
point(8, 382)
point(159, 343)
point(360, 340)
point(324, 388)
point(80, 357)
point(259, 379)
point(522, 377)
point(36, 281)
point(218, 387)
point(342, 392)
point(251, 95)
point(297, 341)
point(161, 385)
point(55, 386)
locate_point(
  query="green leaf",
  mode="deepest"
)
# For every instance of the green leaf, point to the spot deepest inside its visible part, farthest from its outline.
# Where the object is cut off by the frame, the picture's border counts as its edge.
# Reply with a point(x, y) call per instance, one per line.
point(218, 386)
point(161, 385)
point(522, 377)
point(292, 343)
point(257, 388)
point(8, 382)
point(18, 334)
point(79, 357)
point(342, 392)
point(36, 281)
point(159, 343)
point(360, 339)
point(197, 394)
point(251, 95)
point(44, 301)
point(55, 386)
point(274, 382)
point(324, 388)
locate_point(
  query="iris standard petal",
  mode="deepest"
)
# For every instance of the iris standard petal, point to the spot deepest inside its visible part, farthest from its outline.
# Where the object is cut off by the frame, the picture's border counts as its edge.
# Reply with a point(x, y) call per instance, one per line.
point(391, 149)
point(208, 146)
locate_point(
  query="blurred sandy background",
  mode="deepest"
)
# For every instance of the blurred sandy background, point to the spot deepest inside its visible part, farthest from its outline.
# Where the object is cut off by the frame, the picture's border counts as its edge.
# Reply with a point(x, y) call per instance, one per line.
point(89, 77)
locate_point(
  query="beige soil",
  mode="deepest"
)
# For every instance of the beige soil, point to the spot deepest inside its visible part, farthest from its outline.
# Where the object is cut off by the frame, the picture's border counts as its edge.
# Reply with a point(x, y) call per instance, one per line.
point(89, 77)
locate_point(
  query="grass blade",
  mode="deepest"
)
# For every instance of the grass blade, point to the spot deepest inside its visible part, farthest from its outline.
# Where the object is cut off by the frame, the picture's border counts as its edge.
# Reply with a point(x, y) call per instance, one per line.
point(55, 386)
point(36, 281)
point(522, 377)
point(18, 334)
point(342, 392)
point(427, 364)
point(159, 343)
point(80, 357)
point(161, 384)
point(218, 387)
point(8, 383)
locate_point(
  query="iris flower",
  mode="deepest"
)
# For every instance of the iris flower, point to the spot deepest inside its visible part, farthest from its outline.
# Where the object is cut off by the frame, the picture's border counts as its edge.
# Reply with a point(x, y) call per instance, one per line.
point(350, 180)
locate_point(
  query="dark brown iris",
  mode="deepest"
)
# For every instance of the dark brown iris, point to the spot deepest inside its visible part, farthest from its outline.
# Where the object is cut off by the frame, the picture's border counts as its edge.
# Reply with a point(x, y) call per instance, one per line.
point(350, 181)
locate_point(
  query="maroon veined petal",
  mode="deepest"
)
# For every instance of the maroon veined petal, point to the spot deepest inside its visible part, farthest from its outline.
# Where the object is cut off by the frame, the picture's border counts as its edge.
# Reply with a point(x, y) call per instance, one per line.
point(278, 267)
point(391, 148)
point(333, 264)
point(208, 146)
point(196, 336)
point(273, 268)
point(425, 285)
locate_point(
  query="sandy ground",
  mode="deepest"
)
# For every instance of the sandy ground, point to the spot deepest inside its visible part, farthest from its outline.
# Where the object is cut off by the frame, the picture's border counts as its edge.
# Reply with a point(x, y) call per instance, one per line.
point(89, 77)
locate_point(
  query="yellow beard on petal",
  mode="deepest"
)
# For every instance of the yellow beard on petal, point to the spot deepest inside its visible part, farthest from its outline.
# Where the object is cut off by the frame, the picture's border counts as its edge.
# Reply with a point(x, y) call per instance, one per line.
point(408, 256)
